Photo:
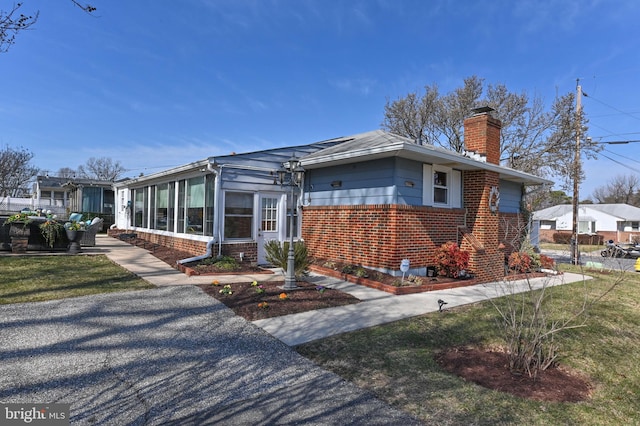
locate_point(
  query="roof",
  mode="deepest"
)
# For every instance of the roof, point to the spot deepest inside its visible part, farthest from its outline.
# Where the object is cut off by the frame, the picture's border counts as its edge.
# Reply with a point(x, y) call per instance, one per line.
point(61, 182)
point(623, 212)
point(380, 144)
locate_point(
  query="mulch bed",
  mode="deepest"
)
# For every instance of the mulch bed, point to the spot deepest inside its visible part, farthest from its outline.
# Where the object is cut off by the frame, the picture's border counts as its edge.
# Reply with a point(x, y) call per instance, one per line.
point(490, 369)
point(246, 301)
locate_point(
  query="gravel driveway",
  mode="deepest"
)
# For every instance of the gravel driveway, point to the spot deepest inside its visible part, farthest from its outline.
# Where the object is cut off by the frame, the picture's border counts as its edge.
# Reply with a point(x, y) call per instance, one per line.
point(169, 355)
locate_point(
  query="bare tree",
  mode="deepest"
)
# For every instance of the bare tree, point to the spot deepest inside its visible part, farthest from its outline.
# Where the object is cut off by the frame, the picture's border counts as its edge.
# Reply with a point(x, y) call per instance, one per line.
point(101, 169)
point(16, 172)
point(534, 139)
point(66, 172)
point(621, 189)
point(12, 22)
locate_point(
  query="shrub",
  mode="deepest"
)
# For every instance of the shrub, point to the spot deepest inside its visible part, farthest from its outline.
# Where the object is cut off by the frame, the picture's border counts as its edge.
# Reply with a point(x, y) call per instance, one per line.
point(450, 260)
point(278, 254)
point(520, 262)
point(546, 262)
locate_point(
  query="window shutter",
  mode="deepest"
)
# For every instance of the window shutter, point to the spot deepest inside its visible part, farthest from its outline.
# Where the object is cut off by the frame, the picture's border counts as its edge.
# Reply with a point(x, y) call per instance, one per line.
point(456, 189)
point(427, 185)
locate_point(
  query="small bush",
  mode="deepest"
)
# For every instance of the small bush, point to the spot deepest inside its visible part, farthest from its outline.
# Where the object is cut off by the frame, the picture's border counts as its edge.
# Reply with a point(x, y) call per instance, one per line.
point(450, 260)
point(278, 255)
point(520, 262)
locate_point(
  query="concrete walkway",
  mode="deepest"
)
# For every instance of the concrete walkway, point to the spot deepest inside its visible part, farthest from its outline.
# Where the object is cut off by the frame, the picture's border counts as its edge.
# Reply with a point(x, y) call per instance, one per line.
point(376, 307)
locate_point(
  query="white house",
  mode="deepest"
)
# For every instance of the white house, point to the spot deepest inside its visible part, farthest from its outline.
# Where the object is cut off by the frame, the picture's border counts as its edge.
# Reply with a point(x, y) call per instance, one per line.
point(618, 222)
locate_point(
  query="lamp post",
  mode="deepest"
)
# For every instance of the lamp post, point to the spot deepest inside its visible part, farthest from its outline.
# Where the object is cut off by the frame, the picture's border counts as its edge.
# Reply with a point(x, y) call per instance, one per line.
point(291, 174)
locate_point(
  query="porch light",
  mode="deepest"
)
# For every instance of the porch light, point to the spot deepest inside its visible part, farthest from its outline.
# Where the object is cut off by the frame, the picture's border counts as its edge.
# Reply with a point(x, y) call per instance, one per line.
point(291, 173)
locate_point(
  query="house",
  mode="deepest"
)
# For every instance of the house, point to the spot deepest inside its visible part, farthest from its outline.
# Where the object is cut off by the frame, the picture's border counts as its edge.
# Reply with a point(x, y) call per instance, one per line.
point(63, 195)
point(371, 199)
point(617, 222)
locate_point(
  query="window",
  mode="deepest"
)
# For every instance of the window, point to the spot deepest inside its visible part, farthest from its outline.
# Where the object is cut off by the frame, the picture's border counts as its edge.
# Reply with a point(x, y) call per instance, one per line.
point(152, 206)
point(109, 200)
point(269, 214)
point(583, 227)
point(171, 206)
point(209, 198)
point(441, 186)
point(162, 205)
point(238, 215)
point(182, 185)
point(138, 206)
point(440, 189)
point(195, 205)
point(91, 199)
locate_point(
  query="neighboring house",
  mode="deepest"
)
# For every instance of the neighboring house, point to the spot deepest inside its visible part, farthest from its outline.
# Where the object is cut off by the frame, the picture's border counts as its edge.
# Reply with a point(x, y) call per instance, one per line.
point(617, 222)
point(65, 195)
point(371, 199)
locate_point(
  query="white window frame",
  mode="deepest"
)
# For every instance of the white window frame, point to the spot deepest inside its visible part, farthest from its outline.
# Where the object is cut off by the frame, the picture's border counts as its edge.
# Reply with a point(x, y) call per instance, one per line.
point(453, 186)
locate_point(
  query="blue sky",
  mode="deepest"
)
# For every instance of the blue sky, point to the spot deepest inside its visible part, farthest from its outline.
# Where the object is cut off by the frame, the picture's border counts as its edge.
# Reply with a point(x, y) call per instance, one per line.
point(157, 83)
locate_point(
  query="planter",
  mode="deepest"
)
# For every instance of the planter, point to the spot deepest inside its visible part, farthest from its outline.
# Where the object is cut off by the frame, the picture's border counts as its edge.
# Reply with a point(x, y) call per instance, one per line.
point(19, 230)
point(74, 240)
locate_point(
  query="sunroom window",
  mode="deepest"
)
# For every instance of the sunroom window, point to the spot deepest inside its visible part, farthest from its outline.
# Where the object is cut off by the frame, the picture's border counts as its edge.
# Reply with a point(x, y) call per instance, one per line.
point(238, 215)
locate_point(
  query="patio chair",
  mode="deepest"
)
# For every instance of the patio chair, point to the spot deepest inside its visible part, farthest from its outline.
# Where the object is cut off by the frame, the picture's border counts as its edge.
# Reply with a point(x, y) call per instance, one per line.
point(89, 237)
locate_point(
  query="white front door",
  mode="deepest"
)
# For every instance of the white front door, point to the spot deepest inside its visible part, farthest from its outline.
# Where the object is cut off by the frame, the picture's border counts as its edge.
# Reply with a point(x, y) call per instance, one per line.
point(268, 225)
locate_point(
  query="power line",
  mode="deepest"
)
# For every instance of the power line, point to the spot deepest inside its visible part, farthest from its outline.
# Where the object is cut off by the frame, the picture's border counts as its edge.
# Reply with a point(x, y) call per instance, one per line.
point(622, 156)
point(619, 142)
point(612, 107)
point(621, 163)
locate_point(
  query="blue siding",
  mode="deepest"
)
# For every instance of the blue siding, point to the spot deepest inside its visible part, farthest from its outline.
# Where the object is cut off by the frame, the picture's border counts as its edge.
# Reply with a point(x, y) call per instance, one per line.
point(362, 183)
point(510, 197)
point(383, 181)
point(408, 171)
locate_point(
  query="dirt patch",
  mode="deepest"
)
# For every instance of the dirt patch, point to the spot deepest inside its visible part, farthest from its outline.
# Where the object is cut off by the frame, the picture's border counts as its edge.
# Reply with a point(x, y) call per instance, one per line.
point(490, 369)
point(254, 301)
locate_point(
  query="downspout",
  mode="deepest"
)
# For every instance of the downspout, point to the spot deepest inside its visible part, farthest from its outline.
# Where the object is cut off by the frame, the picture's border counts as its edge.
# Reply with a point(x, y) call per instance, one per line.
point(212, 241)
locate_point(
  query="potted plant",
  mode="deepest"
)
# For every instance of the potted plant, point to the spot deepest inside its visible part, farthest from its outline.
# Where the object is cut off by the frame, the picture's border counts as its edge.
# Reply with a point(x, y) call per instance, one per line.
point(51, 230)
point(19, 224)
point(74, 231)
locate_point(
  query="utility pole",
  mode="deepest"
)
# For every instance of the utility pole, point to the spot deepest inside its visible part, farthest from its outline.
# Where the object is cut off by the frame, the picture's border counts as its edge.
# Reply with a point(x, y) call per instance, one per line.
point(577, 168)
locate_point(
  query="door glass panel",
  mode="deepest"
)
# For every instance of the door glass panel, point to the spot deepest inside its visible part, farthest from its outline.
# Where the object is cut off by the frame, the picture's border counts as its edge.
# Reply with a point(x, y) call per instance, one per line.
point(269, 216)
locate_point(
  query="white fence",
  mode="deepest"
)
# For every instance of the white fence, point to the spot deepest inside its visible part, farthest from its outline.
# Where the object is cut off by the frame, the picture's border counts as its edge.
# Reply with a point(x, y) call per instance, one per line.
point(13, 205)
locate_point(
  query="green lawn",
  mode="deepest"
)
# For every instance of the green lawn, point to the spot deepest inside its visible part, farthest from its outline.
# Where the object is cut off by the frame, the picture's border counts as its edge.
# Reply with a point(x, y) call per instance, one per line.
point(39, 278)
point(396, 362)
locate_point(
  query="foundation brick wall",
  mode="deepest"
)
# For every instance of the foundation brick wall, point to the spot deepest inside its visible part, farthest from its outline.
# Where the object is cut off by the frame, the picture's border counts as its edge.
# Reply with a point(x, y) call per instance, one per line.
point(379, 236)
point(196, 248)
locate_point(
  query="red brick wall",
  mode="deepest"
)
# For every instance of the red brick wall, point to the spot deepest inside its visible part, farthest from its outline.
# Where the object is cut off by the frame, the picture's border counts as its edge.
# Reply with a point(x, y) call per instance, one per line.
point(487, 263)
point(379, 236)
point(197, 248)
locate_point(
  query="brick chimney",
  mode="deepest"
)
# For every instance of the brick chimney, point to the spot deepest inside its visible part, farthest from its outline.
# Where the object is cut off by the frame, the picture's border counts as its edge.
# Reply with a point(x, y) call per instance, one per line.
point(482, 134)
